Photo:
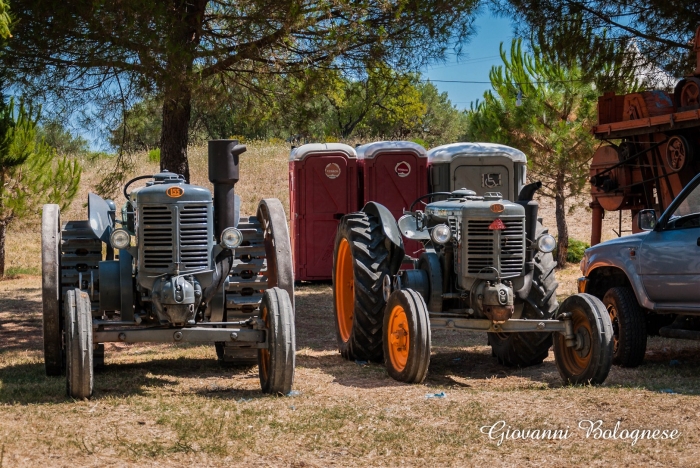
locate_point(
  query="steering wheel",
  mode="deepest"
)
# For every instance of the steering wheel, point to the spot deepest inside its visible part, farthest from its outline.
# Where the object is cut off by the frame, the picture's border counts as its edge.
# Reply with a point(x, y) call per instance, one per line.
point(434, 194)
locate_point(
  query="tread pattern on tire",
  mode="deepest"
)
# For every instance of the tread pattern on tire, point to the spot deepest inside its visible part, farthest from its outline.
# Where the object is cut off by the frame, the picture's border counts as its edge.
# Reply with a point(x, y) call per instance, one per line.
point(632, 330)
point(79, 353)
point(529, 349)
point(281, 342)
point(419, 340)
point(367, 241)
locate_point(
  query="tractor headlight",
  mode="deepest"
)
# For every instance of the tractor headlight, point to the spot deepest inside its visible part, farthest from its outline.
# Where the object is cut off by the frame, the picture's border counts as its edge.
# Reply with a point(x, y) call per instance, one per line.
point(120, 239)
point(231, 238)
point(546, 243)
point(441, 234)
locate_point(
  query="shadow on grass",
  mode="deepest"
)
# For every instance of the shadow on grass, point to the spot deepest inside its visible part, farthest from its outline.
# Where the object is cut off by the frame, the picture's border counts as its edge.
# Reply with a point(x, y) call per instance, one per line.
point(28, 383)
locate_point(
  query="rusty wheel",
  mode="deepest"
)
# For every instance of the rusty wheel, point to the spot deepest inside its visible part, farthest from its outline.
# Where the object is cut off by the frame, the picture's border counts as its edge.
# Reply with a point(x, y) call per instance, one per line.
point(278, 249)
point(690, 95)
point(406, 336)
point(678, 152)
point(589, 361)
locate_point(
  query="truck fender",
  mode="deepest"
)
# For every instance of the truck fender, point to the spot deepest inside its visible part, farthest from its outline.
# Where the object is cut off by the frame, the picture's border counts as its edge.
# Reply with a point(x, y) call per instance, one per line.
point(391, 229)
point(627, 267)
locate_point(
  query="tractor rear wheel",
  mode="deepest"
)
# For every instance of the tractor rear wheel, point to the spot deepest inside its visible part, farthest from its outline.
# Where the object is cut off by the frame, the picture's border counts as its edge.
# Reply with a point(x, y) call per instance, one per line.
point(588, 362)
point(360, 264)
point(629, 327)
point(529, 349)
point(79, 354)
point(276, 363)
point(51, 289)
point(406, 336)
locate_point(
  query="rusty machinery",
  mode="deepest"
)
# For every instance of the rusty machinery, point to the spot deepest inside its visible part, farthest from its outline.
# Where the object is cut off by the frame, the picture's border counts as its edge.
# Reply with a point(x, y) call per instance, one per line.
point(653, 137)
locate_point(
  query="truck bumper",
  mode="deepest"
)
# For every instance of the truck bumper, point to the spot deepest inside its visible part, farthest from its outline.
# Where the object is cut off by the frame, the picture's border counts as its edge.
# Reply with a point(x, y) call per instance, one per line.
point(582, 284)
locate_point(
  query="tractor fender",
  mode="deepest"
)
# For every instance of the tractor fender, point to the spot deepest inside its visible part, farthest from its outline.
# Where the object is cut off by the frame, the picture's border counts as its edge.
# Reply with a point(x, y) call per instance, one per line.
point(391, 230)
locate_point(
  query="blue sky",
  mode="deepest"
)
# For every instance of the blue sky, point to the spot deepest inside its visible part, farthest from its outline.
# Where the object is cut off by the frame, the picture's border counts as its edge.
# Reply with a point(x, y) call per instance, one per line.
point(480, 54)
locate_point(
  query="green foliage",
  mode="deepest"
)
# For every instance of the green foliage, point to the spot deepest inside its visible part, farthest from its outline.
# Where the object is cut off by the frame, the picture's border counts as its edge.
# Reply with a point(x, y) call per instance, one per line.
point(545, 108)
point(5, 20)
point(57, 136)
point(154, 155)
point(30, 172)
point(576, 250)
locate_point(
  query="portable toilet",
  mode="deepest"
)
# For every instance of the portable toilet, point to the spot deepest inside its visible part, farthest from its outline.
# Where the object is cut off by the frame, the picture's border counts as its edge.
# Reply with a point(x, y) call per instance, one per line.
point(394, 173)
point(323, 186)
point(481, 167)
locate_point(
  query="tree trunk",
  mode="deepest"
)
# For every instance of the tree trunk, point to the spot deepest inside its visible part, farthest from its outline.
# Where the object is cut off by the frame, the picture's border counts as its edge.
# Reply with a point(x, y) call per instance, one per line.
point(562, 228)
point(3, 236)
point(174, 134)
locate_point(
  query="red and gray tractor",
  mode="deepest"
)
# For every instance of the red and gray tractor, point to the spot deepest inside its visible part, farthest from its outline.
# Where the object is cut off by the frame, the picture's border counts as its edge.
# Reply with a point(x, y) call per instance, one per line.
point(487, 266)
point(174, 265)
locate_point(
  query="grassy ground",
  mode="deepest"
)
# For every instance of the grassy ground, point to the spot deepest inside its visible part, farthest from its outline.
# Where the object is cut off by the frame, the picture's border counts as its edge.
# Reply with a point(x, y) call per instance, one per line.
point(171, 406)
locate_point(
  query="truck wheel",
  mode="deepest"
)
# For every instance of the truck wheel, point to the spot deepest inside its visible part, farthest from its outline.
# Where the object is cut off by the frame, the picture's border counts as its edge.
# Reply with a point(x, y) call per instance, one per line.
point(51, 289)
point(276, 363)
point(79, 356)
point(529, 349)
point(360, 264)
point(589, 362)
point(629, 327)
point(406, 336)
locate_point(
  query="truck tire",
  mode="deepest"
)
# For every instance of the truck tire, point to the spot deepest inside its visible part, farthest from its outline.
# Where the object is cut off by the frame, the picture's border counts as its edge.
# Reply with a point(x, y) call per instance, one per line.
point(360, 264)
point(51, 289)
point(629, 327)
point(591, 360)
point(79, 354)
point(276, 363)
point(529, 349)
point(406, 336)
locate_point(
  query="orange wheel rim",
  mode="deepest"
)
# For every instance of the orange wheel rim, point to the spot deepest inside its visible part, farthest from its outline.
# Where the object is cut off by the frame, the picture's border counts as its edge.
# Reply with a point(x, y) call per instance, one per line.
point(265, 353)
point(577, 360)
point(344, 290)
point(398, 338)
point(612, 311)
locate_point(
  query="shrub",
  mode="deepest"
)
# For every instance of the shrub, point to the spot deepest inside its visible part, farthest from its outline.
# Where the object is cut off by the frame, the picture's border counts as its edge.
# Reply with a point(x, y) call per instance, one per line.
point(576, 249)
point(154, 155)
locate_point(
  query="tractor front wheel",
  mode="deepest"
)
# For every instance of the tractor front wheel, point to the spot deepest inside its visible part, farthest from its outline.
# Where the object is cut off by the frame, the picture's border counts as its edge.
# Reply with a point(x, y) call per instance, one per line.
point(276, 362)
point(360, 264)
point(590, 360)
point(406, 336)
point(79, 355)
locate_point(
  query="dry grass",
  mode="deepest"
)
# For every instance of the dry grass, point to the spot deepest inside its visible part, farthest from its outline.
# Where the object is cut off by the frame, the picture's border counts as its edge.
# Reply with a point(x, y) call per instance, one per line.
point(161, 405)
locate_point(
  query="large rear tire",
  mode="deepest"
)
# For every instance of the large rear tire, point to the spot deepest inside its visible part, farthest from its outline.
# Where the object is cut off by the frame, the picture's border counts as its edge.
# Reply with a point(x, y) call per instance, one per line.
point(360, 264)
point(590, 361)
point(276, 363)
point(51, 289)
point(79, 354)
point(406, 336)
point(529, 349)
point(629, 327)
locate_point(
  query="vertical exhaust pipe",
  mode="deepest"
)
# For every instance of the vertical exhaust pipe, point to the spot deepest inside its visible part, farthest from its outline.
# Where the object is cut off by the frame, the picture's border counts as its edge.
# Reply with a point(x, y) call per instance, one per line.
point(223, 173)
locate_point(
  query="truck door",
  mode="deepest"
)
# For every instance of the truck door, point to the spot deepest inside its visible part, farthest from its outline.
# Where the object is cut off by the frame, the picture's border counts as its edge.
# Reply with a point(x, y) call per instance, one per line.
point(670, 258)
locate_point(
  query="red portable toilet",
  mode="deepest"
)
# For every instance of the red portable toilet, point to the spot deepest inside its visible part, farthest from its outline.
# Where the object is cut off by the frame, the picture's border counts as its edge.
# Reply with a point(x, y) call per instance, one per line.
point(323, 186)
point(394, 173)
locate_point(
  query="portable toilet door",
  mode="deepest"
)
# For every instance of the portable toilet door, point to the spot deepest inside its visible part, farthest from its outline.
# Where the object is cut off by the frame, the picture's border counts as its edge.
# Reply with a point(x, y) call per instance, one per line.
point(322, 188)
point(394, 174)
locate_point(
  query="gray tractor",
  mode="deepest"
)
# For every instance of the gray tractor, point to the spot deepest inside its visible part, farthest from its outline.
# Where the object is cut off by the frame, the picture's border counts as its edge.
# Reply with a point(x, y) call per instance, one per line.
point(175, 266)
point(487, 266)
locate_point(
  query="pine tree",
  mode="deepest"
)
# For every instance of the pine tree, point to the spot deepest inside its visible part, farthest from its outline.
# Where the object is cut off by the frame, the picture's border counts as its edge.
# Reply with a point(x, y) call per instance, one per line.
point(30, 172)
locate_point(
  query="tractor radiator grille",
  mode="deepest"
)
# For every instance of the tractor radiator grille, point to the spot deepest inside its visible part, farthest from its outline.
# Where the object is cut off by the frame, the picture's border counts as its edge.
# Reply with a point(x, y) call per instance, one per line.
point(194, 237)
point(159, 244)
point(486, 249)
